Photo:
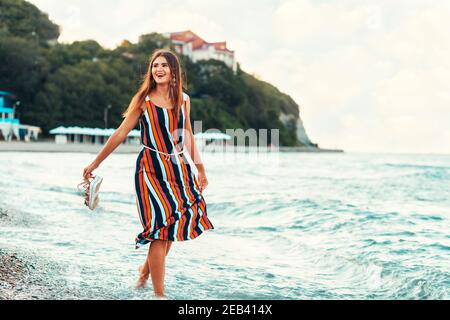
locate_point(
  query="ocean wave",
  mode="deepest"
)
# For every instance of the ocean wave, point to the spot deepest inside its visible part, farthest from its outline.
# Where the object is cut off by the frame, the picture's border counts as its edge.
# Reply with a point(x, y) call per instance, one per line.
point(348, 228)
point(416, 166)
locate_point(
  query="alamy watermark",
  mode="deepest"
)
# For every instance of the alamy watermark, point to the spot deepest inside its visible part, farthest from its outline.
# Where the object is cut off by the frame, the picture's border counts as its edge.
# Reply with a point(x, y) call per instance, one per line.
point(256, 147)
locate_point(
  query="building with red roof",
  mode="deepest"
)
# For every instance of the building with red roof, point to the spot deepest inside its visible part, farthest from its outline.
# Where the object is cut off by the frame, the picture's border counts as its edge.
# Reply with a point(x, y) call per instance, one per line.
point(190, 44)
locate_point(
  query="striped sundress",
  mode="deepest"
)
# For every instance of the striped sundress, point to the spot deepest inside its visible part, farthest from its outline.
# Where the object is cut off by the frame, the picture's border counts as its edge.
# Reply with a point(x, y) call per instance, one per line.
point(169, 201)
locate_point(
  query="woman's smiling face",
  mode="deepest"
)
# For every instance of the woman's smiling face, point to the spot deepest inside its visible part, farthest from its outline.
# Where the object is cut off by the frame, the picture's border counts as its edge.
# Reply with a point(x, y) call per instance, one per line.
point(161, 70)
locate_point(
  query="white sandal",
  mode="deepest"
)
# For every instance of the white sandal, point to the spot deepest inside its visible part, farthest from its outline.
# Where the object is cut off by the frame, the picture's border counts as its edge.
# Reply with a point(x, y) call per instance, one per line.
point(89, 191)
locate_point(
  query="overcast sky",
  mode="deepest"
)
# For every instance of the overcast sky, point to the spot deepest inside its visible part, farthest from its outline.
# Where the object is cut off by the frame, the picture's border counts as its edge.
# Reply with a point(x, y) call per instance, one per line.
point(369, 75)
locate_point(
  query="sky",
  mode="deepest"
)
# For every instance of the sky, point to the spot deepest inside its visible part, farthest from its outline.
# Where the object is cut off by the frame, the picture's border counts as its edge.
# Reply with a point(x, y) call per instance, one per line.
point(369, 76)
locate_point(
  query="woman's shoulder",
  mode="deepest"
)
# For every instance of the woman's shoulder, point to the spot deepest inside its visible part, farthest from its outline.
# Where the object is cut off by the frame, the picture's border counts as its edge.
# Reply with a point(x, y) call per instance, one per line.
point(143, 105)
point(185, 96)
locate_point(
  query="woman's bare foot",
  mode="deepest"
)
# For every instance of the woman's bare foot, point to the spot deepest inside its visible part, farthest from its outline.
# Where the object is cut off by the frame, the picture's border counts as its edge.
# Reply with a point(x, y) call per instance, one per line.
point(143, 277)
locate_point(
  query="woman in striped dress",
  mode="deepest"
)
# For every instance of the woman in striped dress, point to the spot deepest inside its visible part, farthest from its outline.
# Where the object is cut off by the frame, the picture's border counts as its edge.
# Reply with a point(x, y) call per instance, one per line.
point(168, 195)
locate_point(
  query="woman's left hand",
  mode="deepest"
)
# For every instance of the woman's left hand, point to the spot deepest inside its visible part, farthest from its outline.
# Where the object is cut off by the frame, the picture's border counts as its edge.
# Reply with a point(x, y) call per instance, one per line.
point(202, 180)
point(87, 172)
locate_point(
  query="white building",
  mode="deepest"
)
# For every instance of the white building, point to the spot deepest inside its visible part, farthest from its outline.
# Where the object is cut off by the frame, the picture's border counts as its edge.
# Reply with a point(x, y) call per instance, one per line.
point(64, 135)
point(191, 45)
point(9, 125)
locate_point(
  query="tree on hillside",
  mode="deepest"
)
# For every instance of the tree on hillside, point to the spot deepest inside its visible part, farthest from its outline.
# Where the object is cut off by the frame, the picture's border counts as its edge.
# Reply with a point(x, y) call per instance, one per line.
point(23, 19)
point(71, 84)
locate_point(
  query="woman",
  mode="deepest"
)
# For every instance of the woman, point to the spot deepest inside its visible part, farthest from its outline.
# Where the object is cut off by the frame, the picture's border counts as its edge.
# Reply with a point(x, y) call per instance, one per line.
point(168, 194)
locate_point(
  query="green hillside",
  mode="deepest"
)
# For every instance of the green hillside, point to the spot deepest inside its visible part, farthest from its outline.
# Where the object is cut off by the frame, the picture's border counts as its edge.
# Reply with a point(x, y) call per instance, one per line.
point(71, 84)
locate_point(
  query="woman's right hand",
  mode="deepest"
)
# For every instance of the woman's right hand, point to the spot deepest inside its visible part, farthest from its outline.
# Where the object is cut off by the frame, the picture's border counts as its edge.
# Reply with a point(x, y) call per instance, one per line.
point(87, 172)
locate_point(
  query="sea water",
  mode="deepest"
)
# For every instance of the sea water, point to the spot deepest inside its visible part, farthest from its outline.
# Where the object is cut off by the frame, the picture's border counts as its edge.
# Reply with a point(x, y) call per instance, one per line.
point(287, 226)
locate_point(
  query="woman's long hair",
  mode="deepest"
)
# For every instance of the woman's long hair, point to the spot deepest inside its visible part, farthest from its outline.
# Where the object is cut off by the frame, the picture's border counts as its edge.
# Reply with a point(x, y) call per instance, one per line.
point(149, 83)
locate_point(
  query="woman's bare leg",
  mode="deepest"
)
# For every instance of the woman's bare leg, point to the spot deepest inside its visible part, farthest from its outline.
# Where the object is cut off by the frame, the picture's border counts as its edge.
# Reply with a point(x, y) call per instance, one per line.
point(156, 263)
point(169, 244)
point(144, 272)
point(144, 269)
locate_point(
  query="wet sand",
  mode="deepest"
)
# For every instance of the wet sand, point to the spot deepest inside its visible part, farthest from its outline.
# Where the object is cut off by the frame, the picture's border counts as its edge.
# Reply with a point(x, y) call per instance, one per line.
point(13, 277)
point(47, 146)
point(50, 146)
point(19, 279)
point(13, 270)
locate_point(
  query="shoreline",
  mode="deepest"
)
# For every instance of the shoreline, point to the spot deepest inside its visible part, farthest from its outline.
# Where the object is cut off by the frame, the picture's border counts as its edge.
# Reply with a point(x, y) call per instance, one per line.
point(50, 146)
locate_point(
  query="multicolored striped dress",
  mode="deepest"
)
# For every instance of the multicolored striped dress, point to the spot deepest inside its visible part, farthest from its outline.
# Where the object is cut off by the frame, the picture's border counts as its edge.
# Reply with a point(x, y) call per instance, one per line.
point(169, 201)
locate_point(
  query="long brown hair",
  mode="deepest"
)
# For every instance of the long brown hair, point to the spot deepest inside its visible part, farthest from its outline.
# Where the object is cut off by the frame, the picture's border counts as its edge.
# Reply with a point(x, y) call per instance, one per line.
point(149, 83)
